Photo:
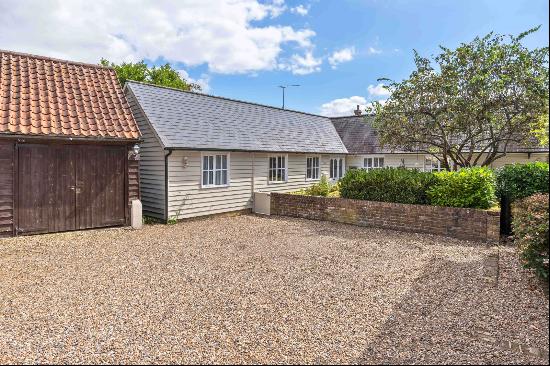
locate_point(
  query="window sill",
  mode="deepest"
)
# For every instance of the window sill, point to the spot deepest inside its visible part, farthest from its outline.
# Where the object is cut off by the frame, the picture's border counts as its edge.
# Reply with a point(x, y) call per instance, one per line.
point(277, 181)
point(214, 186)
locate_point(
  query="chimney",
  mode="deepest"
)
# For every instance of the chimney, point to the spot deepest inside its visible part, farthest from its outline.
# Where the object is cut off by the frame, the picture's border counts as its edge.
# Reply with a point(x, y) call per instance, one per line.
point(357, 112)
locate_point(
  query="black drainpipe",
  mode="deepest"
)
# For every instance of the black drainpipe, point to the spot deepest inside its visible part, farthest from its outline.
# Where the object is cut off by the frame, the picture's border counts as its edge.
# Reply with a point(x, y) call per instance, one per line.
point(166, 218)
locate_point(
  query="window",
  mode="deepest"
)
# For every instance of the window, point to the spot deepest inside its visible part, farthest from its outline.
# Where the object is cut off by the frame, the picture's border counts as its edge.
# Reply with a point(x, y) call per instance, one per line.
point(433, 165)
point(313, 168)
point(336, 168)
point(277, 168)
point(373, 163)
point(214, 170)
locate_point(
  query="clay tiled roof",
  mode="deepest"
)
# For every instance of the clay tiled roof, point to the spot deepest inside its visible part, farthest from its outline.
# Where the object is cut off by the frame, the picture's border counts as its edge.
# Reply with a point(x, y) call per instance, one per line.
point(44, 96)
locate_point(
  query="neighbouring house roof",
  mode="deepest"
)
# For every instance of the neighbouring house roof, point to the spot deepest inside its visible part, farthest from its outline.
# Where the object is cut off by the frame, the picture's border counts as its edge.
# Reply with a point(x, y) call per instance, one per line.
point(48, 97)
point(190, 120)
point(360, 137)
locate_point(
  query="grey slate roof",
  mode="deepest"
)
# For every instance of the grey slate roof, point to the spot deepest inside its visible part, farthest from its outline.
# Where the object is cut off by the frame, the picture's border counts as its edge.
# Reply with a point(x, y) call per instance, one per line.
point(360, 137)
point(189, 120)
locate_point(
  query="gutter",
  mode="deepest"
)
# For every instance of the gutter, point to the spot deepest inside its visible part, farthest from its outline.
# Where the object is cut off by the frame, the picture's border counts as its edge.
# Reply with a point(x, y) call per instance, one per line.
point(57, 138)
point(343, 152)
point(166, 218)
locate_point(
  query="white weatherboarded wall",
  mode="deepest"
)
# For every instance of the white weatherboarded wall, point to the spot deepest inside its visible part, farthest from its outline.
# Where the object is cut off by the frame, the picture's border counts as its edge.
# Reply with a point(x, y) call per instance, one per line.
point(520, 158)
point(417, 161)
point(151, 165)
point(409, 161)
point(248, 173)
point(186, 198)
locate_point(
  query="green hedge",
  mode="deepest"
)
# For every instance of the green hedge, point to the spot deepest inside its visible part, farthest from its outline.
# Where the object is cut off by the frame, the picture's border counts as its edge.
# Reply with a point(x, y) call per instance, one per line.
point(530, 225)
point(522, 180)
point(469, 188)
point(387, 185)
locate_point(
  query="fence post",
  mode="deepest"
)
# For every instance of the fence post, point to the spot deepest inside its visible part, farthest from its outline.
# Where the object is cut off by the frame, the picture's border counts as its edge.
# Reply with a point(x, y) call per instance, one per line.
point(505, 215)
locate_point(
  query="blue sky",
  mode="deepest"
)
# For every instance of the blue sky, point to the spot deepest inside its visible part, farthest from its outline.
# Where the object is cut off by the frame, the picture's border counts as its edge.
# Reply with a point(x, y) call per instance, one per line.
point(244, 49)
point(393, 27)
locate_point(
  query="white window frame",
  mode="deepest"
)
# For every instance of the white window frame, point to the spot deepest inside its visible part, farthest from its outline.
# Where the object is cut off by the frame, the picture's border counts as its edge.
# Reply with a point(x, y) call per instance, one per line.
point(340, 168)
point(215, 168)
point(276, 156)
point(372, 158)
point(437, 168)
point(318, 168)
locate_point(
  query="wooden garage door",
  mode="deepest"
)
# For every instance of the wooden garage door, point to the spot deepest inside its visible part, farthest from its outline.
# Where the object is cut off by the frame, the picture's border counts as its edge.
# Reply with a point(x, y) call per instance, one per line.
point(69, 187)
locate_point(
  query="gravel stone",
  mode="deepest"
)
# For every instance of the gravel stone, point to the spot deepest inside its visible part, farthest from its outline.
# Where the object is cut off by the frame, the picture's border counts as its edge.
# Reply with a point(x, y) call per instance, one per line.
point(252, 289)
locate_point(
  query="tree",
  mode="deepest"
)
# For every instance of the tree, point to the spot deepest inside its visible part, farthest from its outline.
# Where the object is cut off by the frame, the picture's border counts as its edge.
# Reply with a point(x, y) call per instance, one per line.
point(139, 71)
point(472, 104)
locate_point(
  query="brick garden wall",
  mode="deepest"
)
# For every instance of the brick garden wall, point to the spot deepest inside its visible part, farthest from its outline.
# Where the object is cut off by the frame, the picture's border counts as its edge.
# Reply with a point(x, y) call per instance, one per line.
point(460, 223)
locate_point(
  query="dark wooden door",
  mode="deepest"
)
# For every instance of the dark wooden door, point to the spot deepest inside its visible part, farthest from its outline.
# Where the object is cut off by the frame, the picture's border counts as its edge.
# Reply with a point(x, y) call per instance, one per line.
point(62, 189)
point(100, 185)
point(68, 187)
point(33, 204)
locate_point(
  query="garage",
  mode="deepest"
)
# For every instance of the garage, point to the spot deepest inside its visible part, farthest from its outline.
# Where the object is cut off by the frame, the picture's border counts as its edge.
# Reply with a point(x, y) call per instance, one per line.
point(69, 147)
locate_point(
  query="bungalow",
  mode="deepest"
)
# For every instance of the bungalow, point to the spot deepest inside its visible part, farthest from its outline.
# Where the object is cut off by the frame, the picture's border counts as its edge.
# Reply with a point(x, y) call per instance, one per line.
point(205, 155)
point(67, 139)
point(363, 144)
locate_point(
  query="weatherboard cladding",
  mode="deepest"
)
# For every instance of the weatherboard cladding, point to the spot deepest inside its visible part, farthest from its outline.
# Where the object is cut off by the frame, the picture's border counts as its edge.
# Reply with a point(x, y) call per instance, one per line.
point(194, 121)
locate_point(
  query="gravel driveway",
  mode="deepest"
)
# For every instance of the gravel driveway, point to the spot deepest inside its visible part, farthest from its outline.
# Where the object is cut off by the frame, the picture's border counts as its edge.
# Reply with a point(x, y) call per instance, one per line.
point(251, 289)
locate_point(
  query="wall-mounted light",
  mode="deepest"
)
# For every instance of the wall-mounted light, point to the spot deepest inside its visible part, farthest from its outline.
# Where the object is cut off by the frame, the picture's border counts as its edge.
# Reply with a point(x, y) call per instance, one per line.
point(133, 154)
point(185, 161)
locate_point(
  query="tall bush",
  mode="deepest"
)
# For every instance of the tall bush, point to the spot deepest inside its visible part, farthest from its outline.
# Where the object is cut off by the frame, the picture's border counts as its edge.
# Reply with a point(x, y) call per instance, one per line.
point(530, 225)
point(518, 181)
point(323, 188)
point(387, 185)
point(468, 188)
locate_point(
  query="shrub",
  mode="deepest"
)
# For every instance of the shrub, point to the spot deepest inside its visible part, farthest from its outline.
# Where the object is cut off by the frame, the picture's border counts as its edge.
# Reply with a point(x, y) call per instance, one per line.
point(323, 188)
point(530, 225)
point(387, 185)
point(522, 180)
point(469, 188)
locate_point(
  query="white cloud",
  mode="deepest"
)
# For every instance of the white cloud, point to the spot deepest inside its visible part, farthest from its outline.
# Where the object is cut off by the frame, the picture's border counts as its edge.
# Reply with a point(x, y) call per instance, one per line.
point(300, 10)
point(378, 91)
point(374, 51)
point(346, 106)
point(302, 65)
point(343, 106)
point(340, 56)
point(203, 81)
point(223, 34)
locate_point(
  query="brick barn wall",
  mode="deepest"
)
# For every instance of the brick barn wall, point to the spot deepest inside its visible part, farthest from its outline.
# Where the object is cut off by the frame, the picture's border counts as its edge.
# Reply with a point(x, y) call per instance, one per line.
point(460, 223)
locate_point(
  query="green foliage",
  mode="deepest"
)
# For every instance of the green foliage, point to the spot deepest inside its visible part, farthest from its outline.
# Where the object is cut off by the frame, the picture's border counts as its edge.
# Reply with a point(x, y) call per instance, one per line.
point(530, 224)
point(477, 97)
point(148, 220)
point(522, 180)
point(139, 71)
point(468, 188)
point(540, 130)
point(387, 185)
point(323, 188)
